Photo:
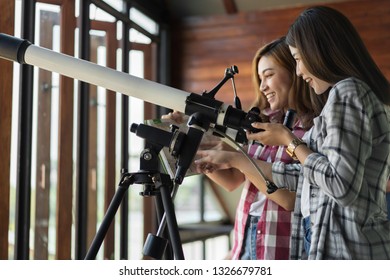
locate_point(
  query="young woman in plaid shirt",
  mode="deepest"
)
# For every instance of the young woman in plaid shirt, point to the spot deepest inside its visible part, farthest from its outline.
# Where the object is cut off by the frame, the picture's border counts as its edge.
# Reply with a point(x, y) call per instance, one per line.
point(341, 180)
point(263, 222)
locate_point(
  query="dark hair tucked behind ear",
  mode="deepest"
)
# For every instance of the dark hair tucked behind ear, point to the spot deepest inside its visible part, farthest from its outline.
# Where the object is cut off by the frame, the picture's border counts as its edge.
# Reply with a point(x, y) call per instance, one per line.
point(332, 50)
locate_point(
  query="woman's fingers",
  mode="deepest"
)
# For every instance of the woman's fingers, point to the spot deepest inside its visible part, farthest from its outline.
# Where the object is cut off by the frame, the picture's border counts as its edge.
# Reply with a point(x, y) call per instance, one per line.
point(204, 164)
point(259, 125)
point(273, 134)
point(175, 116)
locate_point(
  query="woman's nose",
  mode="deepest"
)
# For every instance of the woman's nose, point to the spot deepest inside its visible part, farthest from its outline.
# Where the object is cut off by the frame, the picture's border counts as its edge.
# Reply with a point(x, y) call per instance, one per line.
point(298, 71)
point(263, 86)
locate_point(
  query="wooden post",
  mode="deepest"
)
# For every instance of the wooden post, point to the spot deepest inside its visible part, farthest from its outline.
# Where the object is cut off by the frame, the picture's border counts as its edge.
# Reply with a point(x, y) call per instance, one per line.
point(7, 11)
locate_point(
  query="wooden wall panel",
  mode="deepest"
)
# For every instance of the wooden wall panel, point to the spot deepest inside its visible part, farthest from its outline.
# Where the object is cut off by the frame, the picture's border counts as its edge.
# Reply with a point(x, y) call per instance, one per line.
point(7, 11)
point(65, 140)
point(110, 178)
point(205, 46)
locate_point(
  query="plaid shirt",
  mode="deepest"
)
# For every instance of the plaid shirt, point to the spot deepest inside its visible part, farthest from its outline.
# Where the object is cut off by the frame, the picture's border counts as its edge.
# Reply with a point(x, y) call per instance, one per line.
point(347, 176)
point(273, 228)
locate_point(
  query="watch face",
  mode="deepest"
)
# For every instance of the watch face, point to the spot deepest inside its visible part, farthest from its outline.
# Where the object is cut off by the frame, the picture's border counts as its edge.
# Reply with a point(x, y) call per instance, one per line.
point(288, 150)
point(292, 146)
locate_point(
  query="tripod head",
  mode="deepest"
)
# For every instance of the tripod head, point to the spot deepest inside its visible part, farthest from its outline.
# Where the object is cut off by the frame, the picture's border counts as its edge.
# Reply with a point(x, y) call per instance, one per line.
point(182, 146)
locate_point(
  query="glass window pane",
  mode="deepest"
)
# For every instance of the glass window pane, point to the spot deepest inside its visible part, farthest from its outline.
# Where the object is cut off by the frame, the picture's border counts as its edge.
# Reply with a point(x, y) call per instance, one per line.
point(136, 145)
point(45, 139)
point(14, 135)
point(98, 14)
point(138, 37)
point(116, 4)
point(144, 21)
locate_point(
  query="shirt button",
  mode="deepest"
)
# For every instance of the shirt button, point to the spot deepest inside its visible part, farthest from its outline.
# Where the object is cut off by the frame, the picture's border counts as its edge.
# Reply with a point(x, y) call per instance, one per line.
point(259, 232)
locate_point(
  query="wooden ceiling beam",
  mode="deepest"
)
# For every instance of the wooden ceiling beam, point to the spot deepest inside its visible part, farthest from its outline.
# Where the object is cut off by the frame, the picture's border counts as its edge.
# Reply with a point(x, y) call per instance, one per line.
point(230, 6)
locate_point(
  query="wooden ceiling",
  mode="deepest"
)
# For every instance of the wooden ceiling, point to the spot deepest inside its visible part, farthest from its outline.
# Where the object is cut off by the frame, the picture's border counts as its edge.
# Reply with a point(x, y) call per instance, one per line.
point(178, 9)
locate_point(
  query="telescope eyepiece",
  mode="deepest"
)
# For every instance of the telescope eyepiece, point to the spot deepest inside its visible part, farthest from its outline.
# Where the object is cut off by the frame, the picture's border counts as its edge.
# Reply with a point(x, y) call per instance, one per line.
point(133, 128)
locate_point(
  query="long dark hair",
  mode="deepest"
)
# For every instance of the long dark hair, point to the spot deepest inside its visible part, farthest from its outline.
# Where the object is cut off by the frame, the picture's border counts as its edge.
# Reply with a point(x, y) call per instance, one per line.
point(299, 97)
point(332, 50)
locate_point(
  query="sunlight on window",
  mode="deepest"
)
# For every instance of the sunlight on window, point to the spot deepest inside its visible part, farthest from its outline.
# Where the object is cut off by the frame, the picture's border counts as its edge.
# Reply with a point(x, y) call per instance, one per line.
point(98, 14)
point(116, 4)
point(138, 37)
point(144, 21)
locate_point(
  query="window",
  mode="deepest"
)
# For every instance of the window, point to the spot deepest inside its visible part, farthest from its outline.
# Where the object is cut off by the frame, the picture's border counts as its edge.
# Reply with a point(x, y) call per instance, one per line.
point(124, 41)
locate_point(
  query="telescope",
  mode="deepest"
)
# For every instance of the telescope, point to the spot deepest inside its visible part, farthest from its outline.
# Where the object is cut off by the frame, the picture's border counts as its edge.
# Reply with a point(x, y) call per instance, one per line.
point(211, 113)
point(204, 110)
point(218, 113)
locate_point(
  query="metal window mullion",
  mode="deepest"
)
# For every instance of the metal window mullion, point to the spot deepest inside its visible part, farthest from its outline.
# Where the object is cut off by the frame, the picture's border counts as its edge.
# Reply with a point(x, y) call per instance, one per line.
point(25, 126)
point(124, 215)
point(163, 63)
point(82, 137)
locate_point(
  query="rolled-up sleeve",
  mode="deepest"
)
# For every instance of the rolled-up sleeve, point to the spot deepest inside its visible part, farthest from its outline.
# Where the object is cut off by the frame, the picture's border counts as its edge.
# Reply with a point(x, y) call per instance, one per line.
point(285, 176)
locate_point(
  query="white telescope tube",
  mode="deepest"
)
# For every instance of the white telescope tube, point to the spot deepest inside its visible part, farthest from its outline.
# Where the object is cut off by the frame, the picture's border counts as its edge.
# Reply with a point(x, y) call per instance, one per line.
point(106, 77)
point(22, 51)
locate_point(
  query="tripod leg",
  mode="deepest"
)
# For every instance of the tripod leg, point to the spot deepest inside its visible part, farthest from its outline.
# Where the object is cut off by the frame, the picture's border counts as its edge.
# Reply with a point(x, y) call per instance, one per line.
point(162, 231)
point(107, 220)
point(172, 222)
point(156, 246)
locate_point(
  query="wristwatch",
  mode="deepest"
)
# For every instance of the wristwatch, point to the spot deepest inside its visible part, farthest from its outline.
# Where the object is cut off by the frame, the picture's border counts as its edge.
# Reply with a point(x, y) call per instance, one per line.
point(292, 146)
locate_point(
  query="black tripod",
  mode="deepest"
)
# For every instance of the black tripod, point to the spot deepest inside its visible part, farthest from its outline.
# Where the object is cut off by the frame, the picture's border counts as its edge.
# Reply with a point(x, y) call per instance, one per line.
point(156, 184)
point(163, 184)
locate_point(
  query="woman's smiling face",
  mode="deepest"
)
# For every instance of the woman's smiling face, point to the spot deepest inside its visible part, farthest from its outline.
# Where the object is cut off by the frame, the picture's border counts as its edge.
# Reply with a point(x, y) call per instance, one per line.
point(275, 82)
point(319, 86)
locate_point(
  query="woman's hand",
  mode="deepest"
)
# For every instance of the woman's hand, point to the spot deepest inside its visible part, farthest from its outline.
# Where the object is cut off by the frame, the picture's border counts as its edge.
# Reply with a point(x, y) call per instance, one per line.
point(214, 143)
point(175, 116)
point(212, 160)
point(274, 134)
